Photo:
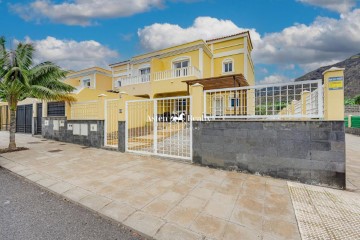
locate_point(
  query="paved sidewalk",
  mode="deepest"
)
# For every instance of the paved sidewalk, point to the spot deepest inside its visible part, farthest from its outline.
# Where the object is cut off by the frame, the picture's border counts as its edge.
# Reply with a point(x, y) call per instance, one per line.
point(162, 198)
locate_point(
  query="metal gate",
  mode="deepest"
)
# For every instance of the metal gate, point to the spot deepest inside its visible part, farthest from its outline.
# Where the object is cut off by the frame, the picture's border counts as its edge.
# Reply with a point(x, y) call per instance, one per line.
point(39, 118)
point(111, 122)
point(160, 126)
point(24, 118)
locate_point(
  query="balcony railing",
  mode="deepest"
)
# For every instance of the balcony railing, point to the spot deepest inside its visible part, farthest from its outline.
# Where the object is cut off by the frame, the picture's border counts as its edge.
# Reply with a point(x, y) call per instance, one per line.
point(124, 81)
point(177, 73)
point(157, 76)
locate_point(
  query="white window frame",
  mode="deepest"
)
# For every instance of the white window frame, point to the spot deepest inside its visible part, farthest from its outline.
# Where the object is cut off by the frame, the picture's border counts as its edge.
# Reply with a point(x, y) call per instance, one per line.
point(226, 61)
point(180, 59)
point(87, 80)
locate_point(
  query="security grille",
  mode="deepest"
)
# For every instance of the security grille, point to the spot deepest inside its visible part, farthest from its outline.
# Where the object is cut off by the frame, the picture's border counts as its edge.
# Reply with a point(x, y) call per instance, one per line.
point(56, 109)
point(160, 127)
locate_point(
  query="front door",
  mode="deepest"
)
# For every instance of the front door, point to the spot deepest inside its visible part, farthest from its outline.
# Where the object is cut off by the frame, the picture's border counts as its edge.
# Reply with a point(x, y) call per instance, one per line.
point(218, 106)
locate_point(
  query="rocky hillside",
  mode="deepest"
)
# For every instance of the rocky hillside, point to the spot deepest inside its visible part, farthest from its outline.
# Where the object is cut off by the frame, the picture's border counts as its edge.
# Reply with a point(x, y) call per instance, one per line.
point(352, 75)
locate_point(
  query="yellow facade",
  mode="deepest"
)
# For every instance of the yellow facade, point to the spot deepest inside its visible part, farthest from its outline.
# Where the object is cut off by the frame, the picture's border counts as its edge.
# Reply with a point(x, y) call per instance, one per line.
point(98, 78)
point(162, 73)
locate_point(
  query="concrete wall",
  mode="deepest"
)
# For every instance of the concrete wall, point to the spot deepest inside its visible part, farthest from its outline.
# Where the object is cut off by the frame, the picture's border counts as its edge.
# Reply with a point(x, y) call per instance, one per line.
point(355, 131)
point(307, 151)
point(93, 139)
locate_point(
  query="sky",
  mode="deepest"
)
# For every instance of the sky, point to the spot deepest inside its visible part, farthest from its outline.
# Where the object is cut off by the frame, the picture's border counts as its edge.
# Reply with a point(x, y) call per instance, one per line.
point(290, 37)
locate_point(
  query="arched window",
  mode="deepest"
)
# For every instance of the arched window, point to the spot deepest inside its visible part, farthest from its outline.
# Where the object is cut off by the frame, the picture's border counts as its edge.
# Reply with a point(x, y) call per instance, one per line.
point(228, 65)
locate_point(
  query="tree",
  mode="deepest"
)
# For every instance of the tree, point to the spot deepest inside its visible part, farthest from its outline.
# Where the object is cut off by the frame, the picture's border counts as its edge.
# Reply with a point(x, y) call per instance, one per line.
point(20, 78)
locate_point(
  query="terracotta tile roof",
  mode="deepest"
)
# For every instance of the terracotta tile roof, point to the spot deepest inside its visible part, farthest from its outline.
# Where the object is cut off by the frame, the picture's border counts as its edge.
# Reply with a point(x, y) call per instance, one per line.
point(233, 35)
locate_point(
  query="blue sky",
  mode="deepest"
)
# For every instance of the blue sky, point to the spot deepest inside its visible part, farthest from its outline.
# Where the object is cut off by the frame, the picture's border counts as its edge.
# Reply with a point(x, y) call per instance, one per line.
point(290, 36)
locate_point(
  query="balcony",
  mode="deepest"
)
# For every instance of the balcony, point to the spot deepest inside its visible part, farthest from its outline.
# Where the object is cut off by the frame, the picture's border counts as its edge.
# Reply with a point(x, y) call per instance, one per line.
point(175, 73)
point(125, 81)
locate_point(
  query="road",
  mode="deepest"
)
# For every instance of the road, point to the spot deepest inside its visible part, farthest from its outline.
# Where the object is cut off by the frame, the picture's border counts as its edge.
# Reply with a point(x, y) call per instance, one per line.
point(30, 212)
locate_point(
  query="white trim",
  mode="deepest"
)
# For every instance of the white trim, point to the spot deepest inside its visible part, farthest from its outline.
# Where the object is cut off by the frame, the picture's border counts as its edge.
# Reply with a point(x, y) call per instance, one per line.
point(87, 78)
point(226, 60)
point(201, 61)
point(229, 53)
point(246, 58)
point(212, 60)
point(94, 80)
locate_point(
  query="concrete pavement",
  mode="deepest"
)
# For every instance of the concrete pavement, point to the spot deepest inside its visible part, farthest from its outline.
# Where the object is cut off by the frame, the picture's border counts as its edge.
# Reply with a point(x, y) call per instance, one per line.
point(32, 213)
point(164, 199)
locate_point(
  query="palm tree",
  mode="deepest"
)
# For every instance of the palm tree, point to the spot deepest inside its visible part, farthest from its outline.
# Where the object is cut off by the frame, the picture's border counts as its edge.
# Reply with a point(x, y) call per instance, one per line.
point(20, 78)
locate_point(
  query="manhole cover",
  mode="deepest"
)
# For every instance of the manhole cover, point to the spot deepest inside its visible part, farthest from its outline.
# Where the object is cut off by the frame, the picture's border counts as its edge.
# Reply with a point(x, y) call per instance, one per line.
point(85, 147)
point(62, 144)
point(34, 142)
point(44, 140)
point(54, 151)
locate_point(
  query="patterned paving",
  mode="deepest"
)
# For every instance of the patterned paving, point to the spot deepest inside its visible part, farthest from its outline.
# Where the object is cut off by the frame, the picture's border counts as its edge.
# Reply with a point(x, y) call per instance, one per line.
point(324, 213)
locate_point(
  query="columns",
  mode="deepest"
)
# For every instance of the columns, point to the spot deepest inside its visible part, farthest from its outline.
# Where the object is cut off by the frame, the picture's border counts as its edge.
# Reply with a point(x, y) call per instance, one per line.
point(197, 101)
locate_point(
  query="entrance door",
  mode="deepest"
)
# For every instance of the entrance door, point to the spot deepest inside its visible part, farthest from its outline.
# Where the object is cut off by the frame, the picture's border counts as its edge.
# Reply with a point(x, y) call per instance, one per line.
point(160, 126)
point(218, 106)
point(24, 118)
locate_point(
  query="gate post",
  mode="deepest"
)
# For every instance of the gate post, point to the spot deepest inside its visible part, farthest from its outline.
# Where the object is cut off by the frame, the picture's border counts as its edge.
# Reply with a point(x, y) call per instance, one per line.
point(197, 95)
point(334, 94)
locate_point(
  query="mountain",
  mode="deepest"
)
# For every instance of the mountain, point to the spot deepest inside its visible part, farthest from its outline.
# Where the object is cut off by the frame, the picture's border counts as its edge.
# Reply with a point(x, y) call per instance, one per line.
point(352, 75)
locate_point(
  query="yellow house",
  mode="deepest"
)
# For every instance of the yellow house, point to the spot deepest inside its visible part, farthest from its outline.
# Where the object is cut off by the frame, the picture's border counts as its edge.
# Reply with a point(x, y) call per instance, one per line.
point(163, 73)
point(92, 78)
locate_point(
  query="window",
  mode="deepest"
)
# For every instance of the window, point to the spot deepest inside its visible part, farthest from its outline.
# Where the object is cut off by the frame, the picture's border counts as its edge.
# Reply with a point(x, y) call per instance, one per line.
point(145, 74)
point(228, 66)
point(232, 102)
point(181, 67)
point(86, 83)
point(118, 83)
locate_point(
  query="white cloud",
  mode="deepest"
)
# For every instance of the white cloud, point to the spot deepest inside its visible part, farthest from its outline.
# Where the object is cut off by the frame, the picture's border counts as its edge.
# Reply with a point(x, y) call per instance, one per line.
point(71, 54)
point(157, 36)
point(324, 41)
point(83, 12)
point(341, 6)
point(276, 78)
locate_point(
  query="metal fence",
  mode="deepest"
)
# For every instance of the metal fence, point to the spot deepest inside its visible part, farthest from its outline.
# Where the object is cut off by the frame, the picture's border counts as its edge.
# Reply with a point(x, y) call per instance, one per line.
point(160, 126)
point(85, 110)
point(274, 101)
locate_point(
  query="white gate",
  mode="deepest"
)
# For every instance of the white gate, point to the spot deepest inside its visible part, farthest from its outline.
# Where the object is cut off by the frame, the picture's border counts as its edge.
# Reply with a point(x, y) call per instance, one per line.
point(111, 122)
point(160, 126)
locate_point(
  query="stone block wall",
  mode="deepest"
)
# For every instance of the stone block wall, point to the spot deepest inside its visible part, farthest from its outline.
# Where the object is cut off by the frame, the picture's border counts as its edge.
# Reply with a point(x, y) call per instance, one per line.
point(307, 151)
point(93, 138)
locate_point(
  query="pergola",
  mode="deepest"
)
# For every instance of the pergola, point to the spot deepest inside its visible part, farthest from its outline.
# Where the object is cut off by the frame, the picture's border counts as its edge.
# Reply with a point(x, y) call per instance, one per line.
point(227, 81)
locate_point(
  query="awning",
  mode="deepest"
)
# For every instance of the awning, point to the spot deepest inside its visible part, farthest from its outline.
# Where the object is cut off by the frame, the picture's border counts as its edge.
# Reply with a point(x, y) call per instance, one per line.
point(227, 81)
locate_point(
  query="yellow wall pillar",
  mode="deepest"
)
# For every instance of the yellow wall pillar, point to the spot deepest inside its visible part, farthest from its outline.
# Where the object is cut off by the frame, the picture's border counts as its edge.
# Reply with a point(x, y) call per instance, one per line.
point(122, 106)
point(44, 108)
point(334, 94)
point(197, 101)
point(304, 95)
point(67, 110)
point(101, 103)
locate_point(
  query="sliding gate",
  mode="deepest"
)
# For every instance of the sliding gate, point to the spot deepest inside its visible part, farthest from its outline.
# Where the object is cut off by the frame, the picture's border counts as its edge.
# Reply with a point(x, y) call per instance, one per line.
point(160, 126)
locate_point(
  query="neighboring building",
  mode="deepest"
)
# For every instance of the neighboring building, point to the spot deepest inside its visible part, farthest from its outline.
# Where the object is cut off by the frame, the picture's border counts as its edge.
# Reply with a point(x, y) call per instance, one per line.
point(92, 78)
point(162, 73)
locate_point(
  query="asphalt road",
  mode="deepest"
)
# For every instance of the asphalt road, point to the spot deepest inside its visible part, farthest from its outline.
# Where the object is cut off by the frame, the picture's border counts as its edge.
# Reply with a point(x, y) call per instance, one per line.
point(30, 212)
